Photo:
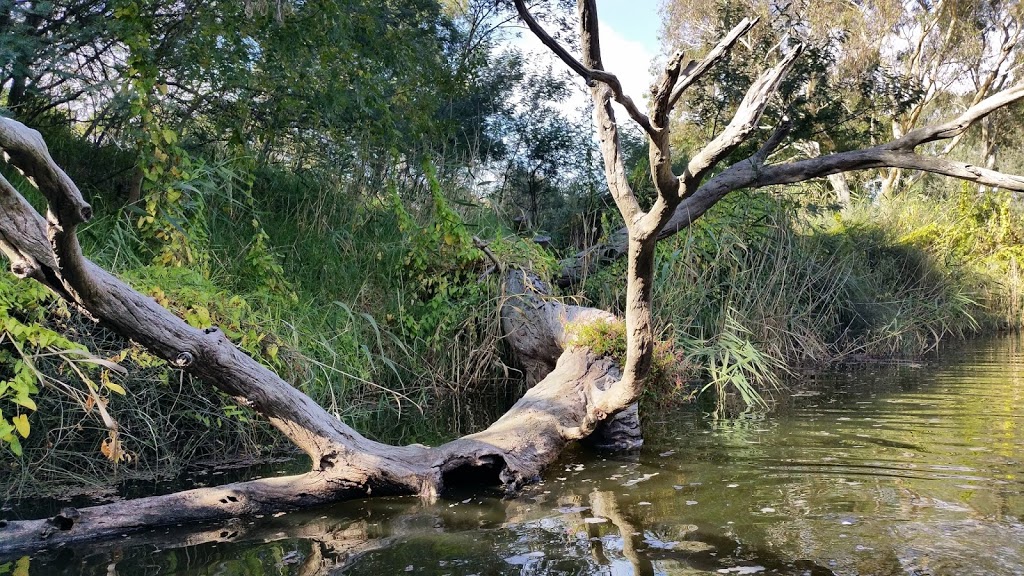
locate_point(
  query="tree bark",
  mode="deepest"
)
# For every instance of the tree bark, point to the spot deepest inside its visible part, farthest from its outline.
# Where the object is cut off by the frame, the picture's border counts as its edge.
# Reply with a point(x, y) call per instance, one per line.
point(841, 186)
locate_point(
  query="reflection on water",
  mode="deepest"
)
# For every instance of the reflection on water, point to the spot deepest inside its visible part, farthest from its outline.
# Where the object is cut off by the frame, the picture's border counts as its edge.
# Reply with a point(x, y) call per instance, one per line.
point(884, 471)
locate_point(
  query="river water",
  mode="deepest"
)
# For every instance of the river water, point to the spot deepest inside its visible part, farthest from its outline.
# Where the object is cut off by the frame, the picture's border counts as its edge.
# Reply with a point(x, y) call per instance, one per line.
point(877, 470)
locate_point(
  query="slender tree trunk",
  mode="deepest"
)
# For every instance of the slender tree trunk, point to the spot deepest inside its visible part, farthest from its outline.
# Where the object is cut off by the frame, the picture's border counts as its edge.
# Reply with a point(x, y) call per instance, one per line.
point(841, 186)
point(639, 318)
point(890, 179)
point(990, 149)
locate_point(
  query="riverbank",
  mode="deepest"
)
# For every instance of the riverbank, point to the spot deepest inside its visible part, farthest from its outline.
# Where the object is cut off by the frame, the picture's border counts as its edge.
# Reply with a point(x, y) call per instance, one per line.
point(766, 285)
point(379, 308)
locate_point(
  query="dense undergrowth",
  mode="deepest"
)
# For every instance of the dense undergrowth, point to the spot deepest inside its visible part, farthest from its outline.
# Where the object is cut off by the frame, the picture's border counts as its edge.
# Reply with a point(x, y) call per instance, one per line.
point(370, 294)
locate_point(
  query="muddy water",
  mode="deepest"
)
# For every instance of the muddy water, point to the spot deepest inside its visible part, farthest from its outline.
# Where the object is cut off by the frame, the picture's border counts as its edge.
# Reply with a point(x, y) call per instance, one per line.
point(908, 470)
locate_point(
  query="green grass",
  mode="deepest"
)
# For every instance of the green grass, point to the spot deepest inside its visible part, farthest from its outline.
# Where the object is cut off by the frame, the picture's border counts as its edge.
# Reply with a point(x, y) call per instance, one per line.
point(316, 284)
point(763, 285)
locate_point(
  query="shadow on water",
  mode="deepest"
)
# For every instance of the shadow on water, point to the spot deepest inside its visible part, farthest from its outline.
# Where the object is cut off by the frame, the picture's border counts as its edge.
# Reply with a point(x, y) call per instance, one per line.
point(874, 470)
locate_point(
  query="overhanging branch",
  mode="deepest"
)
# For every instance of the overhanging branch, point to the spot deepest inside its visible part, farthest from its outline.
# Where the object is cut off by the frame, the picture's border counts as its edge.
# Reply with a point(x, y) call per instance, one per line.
point(743, 122)
point(592, 74)
point(960, 124)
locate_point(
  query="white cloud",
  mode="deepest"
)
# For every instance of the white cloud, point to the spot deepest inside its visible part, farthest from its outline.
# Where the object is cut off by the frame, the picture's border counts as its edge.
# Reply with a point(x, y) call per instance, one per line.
point(630, 61)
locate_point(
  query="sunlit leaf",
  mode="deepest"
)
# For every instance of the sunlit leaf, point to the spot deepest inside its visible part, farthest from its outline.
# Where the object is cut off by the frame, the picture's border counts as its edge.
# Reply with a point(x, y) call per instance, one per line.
point(21, 567)
point(114, 387)
point(21, 425)
point(24, 401)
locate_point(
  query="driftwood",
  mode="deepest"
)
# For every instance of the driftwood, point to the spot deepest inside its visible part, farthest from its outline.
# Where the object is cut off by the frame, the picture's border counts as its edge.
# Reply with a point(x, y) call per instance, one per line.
point(576, 390)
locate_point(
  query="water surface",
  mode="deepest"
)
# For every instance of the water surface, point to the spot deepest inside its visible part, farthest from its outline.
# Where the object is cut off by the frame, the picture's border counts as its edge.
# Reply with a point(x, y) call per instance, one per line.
point(878, 470)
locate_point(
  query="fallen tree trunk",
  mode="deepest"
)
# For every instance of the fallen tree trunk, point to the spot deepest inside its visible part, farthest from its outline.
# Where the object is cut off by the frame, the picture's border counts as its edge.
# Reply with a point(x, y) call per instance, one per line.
point(511, 452)
point(560, 408)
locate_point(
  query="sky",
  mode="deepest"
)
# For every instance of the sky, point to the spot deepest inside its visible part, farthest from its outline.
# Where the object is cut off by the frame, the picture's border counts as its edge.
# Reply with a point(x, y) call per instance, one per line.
point(636, 21)
point(629, 42)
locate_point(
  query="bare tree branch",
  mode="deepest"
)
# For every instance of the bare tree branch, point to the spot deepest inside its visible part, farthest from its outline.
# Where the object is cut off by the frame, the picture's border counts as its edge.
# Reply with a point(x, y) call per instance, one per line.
point(605, 123)
point(773, 142)
point(593, 73)
point(694, 70)
point(959, 125)
point(752, 173)
point(662, 90)
point(998, 74)
point(881, 157)
point(743, 122)
point(550, 42)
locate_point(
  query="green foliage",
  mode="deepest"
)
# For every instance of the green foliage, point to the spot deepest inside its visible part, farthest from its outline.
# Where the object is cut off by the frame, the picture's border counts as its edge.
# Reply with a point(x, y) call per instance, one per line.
point(34, 354)
point(735, 363)
point(202, 304)
point(18, 568)
point(170, 218)
point(441, 263)
point(22, 308)
point(976, 238)
point(282, 202)
point(608, 338)
point(603, 337)
point(525, 254)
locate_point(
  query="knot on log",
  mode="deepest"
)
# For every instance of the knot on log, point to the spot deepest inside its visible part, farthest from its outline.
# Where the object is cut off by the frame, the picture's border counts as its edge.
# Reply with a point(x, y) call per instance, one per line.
point(328, 460)
point(211, 330)
point(24, 268)
point(184, 360)
point(243, 401)
point(66, 519)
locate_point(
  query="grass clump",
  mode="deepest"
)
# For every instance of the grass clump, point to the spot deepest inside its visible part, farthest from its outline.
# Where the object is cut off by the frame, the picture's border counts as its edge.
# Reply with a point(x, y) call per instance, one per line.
point(605, 337)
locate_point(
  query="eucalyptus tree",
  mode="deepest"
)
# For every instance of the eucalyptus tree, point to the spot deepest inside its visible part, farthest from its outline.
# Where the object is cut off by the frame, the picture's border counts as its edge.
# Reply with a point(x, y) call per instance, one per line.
point(888, 66)
point(581, 390)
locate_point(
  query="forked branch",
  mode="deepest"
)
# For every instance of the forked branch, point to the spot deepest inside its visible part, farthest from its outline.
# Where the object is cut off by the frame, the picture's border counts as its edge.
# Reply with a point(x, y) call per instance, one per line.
point(959, 125)
point(694, 69)
point(743, 123)
point(899, 153)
